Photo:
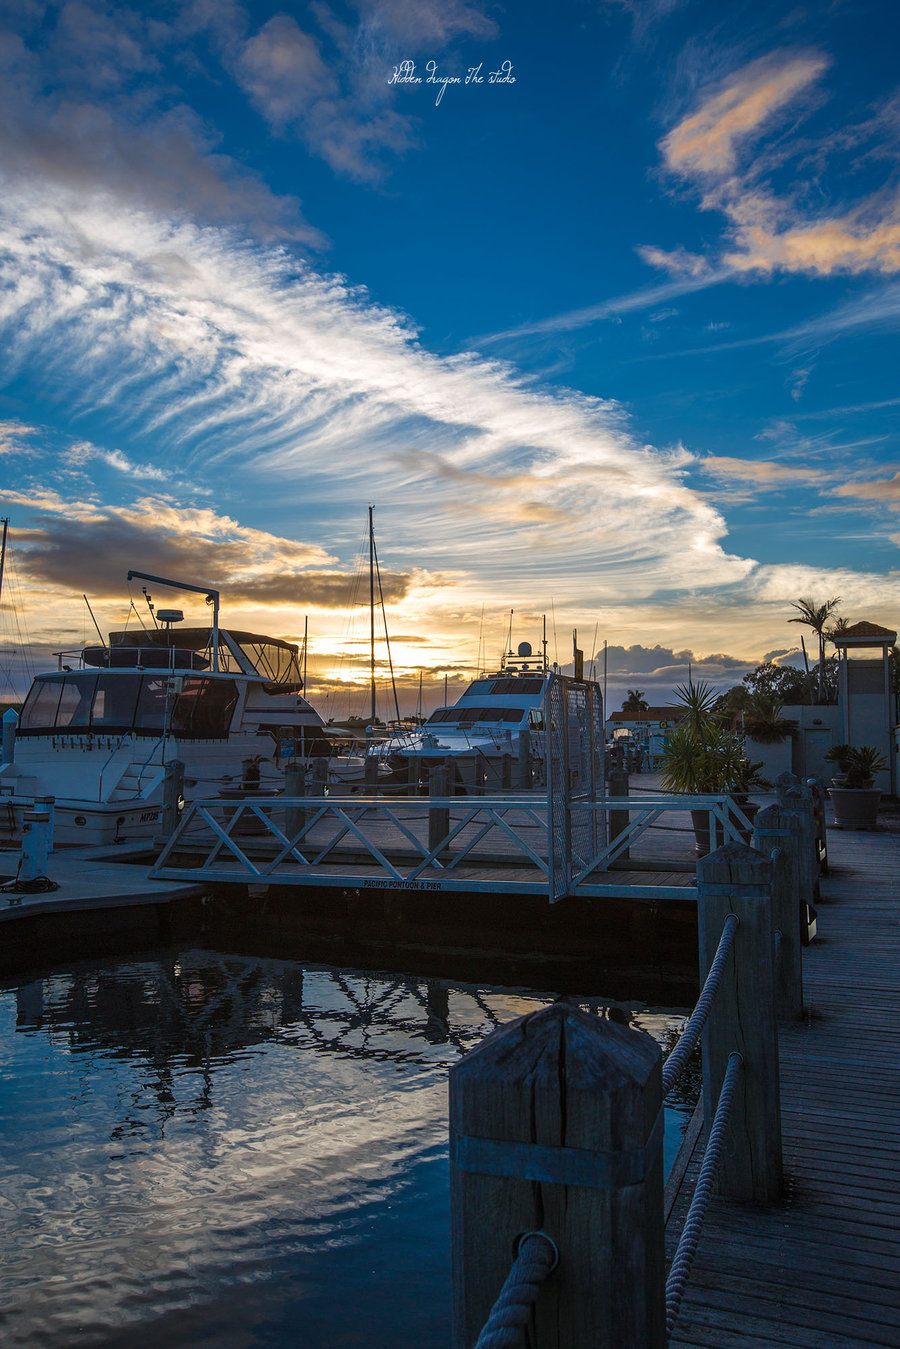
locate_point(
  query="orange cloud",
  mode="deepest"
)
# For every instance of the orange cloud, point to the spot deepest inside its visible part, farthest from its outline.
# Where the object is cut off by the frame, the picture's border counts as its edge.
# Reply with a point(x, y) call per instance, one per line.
point(705, 143)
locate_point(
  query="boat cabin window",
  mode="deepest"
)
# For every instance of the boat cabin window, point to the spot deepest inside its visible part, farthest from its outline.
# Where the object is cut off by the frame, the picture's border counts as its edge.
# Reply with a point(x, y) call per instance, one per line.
point(115, 701)
point(480, 688)
point(504, 687)
point(465, 716)
point(84, 701)
point(204, 708)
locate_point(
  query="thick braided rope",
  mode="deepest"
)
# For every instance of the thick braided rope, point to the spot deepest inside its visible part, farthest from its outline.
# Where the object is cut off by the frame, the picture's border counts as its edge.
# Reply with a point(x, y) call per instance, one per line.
point(690, 1236)
point(674, 1064)
point(505, 1327)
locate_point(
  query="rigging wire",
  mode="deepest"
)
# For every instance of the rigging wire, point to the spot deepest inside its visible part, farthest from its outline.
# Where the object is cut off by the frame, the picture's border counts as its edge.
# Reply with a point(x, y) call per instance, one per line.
point(387, 639)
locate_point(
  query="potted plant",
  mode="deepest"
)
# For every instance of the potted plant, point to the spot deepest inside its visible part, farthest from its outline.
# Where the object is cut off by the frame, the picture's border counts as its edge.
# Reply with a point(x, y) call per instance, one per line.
point(704, 757)
point(854, 796)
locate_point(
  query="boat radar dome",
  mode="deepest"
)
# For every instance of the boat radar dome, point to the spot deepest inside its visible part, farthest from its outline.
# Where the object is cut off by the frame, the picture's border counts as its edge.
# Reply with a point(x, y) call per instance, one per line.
point(170, 616)
point(524, 649)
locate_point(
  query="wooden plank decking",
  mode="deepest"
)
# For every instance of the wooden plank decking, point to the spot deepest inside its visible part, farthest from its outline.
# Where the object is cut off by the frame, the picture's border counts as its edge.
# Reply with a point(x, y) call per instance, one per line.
point(822, 1269)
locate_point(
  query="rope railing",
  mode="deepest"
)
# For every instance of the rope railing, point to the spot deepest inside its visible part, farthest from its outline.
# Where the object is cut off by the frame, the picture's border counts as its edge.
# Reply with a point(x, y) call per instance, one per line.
point(536, 1258)
point(687, 1244)
point(676, 1062)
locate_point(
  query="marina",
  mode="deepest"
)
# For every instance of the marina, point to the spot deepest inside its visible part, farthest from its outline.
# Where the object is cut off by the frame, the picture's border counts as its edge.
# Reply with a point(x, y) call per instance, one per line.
point(485, 936)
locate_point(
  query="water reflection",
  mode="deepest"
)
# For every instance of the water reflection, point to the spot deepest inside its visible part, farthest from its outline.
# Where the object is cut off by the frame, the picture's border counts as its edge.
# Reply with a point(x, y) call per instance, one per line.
point(209, 1148)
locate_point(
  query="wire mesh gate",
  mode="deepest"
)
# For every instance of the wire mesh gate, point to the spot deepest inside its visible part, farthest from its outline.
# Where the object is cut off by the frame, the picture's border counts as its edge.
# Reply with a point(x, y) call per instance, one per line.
point(575, 741)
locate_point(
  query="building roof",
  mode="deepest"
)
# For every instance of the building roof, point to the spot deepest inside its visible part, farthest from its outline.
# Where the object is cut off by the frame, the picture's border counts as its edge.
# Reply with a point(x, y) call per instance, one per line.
point(865, 634)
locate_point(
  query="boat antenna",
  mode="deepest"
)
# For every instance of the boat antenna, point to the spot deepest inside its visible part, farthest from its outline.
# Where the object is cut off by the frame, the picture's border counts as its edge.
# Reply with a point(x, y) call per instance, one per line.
point(149, 600)
point(594, 648)
point(509, 634)
point(555, 643)
point(305, 646)
point(93, 620)
point(605, 670)
point(372, 613)
point(480, 658)
point(544, 642)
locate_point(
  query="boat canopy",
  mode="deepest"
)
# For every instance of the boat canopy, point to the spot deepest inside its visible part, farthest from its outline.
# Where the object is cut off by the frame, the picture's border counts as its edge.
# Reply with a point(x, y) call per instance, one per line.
point(239, 652)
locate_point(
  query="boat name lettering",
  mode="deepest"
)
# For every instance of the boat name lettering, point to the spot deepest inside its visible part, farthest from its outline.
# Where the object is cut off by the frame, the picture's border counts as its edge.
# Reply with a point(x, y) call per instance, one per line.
point(149, 815)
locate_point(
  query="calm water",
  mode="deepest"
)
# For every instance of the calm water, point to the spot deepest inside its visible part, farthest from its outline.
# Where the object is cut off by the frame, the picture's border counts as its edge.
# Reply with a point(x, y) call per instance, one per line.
point(210, 1150)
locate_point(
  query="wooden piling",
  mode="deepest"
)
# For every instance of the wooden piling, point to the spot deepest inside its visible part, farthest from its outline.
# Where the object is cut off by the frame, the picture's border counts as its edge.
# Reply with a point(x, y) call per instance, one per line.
point(294, 785)
point(438, 816)
point(797, 797)
point(556, 1125)
point(776, 834)
point(617, 785)
point(173, 799)
point(737, 879)
point(525, 768)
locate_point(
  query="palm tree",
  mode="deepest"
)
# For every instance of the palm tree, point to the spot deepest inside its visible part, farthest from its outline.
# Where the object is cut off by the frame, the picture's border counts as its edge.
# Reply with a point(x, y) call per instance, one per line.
point(635, 703)
point(816, 616)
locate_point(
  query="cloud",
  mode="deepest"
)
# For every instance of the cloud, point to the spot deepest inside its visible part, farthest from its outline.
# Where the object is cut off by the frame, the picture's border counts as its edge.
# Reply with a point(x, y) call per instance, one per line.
point(644, 661)
point(14, 437)
point(338, 101)
point(761, 473)
point(72, 549)
point(696, 274)
point(885, 491)
point(706, 143)
point(85, 107)
point(716, 149)
point(282, 70)
point(222, 354)
point(83, 452)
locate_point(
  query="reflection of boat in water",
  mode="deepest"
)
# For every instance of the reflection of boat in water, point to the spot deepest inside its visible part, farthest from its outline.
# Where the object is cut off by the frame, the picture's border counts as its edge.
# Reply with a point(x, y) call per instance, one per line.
point(98, 733)
point(493, 736)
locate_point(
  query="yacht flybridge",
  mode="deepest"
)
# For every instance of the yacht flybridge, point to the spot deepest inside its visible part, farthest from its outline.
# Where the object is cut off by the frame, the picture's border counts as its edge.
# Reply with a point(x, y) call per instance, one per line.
point(97, 733)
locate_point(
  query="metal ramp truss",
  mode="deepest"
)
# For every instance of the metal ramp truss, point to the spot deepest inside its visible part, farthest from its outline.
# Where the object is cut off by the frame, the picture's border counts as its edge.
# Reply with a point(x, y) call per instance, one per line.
point(502, 843)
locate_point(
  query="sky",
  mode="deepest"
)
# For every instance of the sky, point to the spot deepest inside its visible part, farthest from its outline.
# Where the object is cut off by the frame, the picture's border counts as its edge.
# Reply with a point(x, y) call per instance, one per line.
point(597, 304)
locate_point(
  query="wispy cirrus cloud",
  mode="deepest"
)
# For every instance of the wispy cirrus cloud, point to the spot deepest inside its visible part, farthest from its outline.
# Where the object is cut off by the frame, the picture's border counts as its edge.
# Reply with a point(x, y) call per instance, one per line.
point(720, 149)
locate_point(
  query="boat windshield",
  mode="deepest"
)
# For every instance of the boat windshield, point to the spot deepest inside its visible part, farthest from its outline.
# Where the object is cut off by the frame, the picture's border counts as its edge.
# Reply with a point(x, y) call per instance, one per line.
point(465, 716)
point(107, 703)
point(509, 684)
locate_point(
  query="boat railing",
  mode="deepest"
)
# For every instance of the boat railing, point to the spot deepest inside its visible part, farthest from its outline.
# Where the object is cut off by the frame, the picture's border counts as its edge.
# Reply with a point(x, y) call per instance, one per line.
point(113, 752)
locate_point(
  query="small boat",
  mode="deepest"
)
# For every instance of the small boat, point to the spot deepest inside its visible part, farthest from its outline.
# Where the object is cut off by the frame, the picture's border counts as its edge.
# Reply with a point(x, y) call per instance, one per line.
point(97, 733)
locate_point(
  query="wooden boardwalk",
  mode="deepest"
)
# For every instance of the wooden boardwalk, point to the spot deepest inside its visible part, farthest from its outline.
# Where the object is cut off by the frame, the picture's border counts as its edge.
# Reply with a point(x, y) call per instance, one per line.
point(822, 1269)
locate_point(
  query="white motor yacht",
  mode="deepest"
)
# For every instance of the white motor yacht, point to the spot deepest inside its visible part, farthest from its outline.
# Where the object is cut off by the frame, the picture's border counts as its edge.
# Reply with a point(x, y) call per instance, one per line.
point(492, 736)
point(97, 733)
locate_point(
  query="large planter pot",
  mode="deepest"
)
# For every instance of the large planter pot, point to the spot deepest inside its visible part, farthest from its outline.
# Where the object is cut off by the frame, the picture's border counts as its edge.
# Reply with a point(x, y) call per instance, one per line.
point(855, 807)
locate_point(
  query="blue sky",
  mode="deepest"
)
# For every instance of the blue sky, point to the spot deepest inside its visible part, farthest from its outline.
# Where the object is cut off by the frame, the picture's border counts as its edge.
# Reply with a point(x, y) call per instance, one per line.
point(611, 336)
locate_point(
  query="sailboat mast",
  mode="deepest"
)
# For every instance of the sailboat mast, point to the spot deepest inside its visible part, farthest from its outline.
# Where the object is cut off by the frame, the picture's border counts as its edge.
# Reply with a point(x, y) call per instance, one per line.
point(3, 551)
point(372, 612)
